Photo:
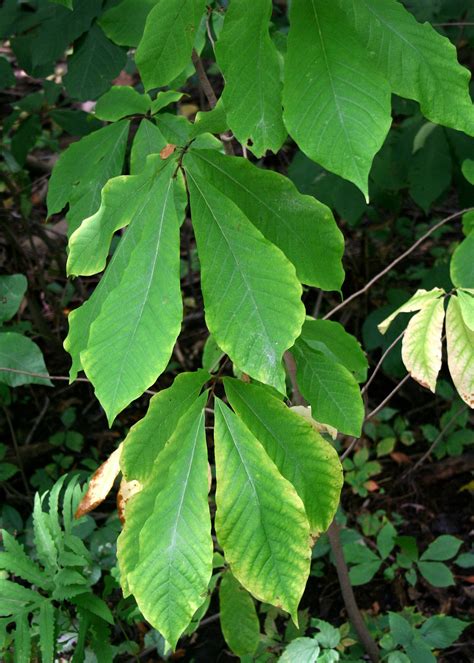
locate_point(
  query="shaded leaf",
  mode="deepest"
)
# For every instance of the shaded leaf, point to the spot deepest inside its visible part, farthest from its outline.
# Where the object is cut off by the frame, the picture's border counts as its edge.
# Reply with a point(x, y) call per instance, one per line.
point(12, 290)
point(20, 353)
point(124, 23)
point(238, 617)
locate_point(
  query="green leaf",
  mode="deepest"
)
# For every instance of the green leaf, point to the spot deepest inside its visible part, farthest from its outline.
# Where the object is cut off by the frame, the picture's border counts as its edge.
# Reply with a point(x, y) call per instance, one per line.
point(238, 617)
point(436, 573)
point(132, 338)
point(213, 121)
point(148, 140)
point(361, 574)
point(332, 340)
point(148, 437)
point(252, 92)
point(419, 63)
point(303, 650)
point(421, 346)
point(175, 545)
point(420, 299)
point(406, 636)
point(93, 66)
point(465, 560)
point(386, 540)
point(301, 455)
point(45, 546)
point(124, 23)
point(83, 169)
point(430, 170)
point(120, 101)
point(12, 290)
point(165, 98)
point(460, 343)
point(300, 226)
point(124, 199)
point(462, 263)
point(442, 548)
point(22, 639)
point(7, 77)
point(442, 631)
point(466, 303)
point(165, 49)
point(336, 101)
point(47, 624)
point(253, 307)
point(16, 561)
point(331, 390)
point(94, 604)
point(211, 354)
point(253, 500)
point(16, 599)
point(20, 353)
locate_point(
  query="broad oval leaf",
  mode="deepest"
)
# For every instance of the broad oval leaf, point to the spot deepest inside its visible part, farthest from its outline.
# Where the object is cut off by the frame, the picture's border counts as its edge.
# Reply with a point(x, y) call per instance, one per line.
point(421, 346)
point(83, 169)
point(12, 289)
point(167, 42)
point(131, 340)
point(120, 101)
point(148, 140)
point(462, 263)
point(303, 457)
point(19, 353)
point(466, 302)
point(148, 437)
point(330, 388)
point(124, 198)
point(302, 227)
point(238, 617)
point(253, 500)
point(251, 294)
point(170, 576)
point(124, 22)
point(331, 339)
point(460, 342)
point(336, 101)
point(420, 63)
point(252, 92)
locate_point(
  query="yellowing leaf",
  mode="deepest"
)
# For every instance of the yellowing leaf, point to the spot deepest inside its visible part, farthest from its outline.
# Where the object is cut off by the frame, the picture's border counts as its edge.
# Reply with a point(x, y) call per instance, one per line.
point(421, 348)
point(420, 299)
point(460, 341)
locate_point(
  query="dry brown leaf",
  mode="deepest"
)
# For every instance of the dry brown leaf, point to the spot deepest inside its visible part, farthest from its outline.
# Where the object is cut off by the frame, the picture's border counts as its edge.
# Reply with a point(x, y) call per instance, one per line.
point(167, 150)
point(100, 484)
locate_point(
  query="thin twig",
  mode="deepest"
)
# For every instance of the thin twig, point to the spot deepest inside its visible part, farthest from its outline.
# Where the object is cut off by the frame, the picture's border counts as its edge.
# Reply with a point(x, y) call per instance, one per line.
point(381, 405)
point(381, 360)
point(401, 257)
point(37, 421)
point(353, 612)
point(203, 79)
point(438, 439)
point(46, 376)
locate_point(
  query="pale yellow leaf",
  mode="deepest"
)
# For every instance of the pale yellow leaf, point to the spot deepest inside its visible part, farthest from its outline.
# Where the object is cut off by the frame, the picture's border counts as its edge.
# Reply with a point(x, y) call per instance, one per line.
point(460, 341)
point(420, 299)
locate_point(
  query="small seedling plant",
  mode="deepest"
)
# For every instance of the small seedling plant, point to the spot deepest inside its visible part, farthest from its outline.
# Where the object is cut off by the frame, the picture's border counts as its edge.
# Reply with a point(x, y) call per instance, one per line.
point(129, 187)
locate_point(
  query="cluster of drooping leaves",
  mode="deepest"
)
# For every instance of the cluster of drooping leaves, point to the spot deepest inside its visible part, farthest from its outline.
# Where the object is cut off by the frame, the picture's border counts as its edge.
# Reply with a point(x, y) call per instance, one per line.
point(60, 573)
point(258, 241)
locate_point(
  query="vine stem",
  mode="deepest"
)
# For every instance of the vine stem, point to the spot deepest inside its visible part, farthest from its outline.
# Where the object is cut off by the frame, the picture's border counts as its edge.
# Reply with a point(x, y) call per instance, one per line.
point(401, 257)
point(46, 376)
point(352, 608)
point(347, 592)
